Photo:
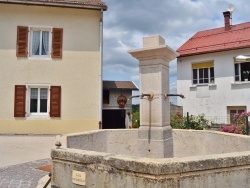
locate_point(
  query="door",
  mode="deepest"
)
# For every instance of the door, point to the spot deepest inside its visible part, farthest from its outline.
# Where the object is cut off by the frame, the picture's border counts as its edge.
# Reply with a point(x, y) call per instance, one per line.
point(113, 119)
point(232, 110)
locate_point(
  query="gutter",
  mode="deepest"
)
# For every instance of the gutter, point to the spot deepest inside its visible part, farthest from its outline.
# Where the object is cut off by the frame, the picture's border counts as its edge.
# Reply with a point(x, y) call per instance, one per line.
point(66, 5)
point(101, 69)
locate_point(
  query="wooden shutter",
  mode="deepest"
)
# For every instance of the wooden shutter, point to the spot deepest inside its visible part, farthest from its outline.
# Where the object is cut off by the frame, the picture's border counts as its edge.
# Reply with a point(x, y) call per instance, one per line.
point(57, 38)
point(20, 96)
point(22, 41)
point(55, 101)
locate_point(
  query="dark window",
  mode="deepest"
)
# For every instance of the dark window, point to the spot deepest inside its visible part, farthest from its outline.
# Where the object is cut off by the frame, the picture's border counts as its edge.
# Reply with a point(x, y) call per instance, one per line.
point(244, 67)
point(105, 97)
point(206, 80)
point(43, 100)
point(211, 74)
point(38, 100)
point(203, 75)
point(195, 76)
point(236, 72)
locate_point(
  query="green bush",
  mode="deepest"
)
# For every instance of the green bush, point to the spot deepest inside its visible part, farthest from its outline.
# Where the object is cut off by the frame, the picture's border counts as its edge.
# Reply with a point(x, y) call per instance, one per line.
point(199, 122)
point(136, 116)
point(136, 119)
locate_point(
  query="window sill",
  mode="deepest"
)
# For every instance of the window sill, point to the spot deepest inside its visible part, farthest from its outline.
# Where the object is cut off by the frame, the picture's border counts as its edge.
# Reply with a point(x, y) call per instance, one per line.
point(35, 117)
point(239, 83)
point(197, 85)
point(39, 58)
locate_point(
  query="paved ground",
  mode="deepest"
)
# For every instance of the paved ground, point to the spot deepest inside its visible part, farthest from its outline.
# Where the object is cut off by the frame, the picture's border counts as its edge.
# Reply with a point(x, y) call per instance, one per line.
point(16, 149)
point(22, 175)
point(20, 155)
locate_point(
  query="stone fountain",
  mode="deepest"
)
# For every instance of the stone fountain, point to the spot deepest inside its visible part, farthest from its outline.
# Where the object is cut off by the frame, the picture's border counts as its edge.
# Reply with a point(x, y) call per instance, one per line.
point(153, 155)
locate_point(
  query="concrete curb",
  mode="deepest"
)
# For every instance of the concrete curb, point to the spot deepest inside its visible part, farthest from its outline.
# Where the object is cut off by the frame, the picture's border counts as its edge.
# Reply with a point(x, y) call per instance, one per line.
point(43, 181)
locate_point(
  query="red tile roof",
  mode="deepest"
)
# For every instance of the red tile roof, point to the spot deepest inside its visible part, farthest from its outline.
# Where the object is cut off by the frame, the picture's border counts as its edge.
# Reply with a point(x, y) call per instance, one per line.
point(65, 3)
point(216, 40)
point(119, 85)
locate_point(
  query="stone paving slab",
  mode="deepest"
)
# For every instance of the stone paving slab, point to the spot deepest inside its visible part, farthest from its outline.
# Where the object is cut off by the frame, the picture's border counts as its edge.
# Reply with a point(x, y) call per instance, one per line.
point(17, 149)
point(23, 175)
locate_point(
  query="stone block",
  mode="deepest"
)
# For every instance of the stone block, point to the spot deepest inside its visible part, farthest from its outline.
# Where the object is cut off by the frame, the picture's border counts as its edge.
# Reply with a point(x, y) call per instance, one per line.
point(153, 41)
point(155, 148)
point(155, 133)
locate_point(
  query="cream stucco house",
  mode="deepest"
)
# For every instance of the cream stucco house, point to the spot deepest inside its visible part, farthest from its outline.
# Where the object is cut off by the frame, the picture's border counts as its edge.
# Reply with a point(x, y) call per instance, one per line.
point(51, 58)
point(211, 72)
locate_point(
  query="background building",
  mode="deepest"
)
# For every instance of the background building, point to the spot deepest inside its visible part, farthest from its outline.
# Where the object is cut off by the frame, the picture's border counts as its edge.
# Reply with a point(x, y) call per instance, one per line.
point(210, 72)
point(116, 106)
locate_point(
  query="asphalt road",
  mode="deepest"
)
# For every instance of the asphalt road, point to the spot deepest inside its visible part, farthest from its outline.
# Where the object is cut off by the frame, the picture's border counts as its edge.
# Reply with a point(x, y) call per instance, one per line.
point(17, 149)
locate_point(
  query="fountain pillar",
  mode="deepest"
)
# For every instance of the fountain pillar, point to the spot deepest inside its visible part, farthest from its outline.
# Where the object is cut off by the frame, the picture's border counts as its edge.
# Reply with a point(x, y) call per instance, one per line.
point(155, 134)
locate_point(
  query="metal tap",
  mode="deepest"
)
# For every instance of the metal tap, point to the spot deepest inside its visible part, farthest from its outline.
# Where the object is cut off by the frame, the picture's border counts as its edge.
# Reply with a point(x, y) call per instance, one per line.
point(173, 95)
point(149, 96)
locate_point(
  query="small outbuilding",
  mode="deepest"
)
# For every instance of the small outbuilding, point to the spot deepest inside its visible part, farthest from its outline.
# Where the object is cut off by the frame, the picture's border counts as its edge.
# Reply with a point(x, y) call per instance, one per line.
point(117, 108)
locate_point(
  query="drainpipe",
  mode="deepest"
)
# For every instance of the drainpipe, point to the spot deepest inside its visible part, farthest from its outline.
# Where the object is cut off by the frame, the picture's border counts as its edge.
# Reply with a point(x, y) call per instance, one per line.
point(100, 71)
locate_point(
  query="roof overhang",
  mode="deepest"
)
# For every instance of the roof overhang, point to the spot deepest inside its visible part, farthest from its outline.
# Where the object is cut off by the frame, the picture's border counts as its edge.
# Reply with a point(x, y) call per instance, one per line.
point(55, 4)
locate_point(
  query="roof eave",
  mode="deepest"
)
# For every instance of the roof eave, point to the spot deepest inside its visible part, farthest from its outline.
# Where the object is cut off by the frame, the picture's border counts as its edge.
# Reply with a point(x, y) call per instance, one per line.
point(65, 5)
point(208, 52)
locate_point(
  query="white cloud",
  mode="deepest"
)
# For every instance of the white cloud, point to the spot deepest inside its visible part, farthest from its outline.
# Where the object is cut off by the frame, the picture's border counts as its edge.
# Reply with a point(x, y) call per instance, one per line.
point(127, 22)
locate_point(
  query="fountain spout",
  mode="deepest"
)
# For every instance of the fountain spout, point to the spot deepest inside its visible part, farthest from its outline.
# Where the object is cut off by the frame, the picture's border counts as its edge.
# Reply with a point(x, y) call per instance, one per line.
point(149, 96)
point(173, 95)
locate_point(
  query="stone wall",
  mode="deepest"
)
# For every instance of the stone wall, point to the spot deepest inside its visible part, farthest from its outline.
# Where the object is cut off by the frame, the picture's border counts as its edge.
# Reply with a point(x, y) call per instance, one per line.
point(200, 142)
point(186, 142)
point(201, 159)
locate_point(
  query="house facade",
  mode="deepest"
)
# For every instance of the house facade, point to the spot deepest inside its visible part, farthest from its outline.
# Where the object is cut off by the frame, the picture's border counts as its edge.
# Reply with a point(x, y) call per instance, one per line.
point(117, 106)
point(211, 72)
point(50, 50)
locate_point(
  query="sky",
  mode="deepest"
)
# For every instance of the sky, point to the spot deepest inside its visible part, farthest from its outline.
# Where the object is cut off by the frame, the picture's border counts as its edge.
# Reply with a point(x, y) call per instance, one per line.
point(126, 22)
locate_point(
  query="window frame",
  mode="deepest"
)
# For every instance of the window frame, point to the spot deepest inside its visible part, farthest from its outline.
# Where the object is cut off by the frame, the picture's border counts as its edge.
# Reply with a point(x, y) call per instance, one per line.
point(28, 92)
point(30, 41)
point(239, 75)
point(238, 109)
point(210, 79)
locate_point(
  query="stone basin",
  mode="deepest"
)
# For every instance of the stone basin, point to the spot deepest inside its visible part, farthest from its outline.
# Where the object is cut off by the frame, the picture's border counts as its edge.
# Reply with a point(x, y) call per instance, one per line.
point(154, 155)
point(109, 159)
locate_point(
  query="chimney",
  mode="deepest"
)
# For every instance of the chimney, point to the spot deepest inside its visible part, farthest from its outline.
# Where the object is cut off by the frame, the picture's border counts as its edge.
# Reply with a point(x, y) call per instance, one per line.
point(227, 16)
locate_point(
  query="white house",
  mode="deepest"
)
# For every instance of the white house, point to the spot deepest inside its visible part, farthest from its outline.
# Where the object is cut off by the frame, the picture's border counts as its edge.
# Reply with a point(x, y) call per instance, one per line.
point(210, 72)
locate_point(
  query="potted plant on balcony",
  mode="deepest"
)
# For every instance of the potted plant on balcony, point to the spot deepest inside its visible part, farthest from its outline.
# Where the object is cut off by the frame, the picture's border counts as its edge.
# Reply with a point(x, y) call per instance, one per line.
point(246, 75)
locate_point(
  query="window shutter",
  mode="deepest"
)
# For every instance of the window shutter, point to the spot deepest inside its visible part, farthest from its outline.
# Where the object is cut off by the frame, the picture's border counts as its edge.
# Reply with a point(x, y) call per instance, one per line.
point(20, 96)
point(57, 38)
point(22, 41)
point(55, 101)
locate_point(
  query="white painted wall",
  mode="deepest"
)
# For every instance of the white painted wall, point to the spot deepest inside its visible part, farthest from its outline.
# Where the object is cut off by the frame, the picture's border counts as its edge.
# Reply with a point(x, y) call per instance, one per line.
point(225, 92)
